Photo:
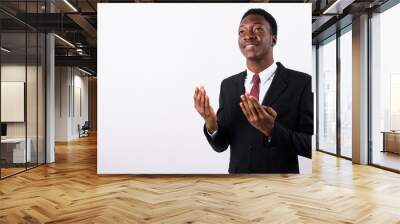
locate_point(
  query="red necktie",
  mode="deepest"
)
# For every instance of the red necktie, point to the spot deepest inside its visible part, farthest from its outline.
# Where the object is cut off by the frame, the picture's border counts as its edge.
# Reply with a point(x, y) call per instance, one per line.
point(255, 89)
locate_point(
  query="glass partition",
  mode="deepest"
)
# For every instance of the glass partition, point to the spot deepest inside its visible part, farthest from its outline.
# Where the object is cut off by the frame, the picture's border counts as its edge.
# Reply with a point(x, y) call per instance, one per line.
point(385, 89)
point(41, 88)
point(346, 94)
point(22, 77)
point(327, 96)
point(31, 100)
point(14, 153)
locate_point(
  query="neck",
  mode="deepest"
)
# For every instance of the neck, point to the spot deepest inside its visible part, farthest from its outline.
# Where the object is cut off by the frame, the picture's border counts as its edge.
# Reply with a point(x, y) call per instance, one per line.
point(259, 65)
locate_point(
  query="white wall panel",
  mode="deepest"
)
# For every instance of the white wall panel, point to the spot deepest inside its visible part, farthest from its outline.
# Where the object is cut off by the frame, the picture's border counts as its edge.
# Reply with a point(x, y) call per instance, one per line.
point(12, 101)
point(151, 57)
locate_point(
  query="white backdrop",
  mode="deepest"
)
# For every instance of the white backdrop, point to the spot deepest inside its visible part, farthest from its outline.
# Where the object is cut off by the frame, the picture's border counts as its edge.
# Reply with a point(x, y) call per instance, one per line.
point(151, 57)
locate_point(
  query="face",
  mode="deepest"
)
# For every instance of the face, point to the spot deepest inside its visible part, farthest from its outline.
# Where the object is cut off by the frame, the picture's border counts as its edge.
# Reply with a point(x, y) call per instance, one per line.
point(255, 37)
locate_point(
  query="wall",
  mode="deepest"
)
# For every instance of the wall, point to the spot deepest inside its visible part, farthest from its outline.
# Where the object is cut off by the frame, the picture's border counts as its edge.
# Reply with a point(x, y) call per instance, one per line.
point(71, 102)
point(62, 80)
point(80, 112)
point(92, 87)
point(314, 85)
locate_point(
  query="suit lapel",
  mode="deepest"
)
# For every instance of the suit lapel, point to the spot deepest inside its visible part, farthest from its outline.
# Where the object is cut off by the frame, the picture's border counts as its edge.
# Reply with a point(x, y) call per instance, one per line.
point(240, 83)
point(277, 86)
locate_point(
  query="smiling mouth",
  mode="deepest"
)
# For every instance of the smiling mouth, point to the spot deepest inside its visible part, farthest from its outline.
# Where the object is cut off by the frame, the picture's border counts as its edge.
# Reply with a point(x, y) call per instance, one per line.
point(249, 46)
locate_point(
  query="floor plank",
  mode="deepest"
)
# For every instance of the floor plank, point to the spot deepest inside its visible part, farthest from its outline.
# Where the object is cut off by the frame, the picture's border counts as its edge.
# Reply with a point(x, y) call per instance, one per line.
point(70, 191)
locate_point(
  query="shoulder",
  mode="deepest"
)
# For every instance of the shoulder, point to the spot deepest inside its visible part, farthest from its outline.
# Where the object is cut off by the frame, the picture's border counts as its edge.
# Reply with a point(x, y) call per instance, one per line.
point(297, 77)
point(234, 78)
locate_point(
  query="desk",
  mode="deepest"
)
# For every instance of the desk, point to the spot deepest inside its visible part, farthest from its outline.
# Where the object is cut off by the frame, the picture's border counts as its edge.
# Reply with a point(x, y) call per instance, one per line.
point(15, 148)
point(391, 141)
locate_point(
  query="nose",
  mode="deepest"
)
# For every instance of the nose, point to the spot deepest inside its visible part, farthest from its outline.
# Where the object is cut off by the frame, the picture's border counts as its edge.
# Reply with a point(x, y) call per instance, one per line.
point(249, 35)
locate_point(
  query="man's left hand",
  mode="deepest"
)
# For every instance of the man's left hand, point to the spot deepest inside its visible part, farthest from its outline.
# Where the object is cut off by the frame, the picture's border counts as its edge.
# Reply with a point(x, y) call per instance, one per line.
point(260, 117)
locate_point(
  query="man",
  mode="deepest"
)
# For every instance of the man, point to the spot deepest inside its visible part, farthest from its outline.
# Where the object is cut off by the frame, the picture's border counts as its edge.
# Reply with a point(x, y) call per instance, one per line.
point(265, 113)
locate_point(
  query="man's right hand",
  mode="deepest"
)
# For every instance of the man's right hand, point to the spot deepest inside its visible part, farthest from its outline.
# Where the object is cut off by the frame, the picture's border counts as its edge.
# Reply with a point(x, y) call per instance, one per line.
point(203, 107)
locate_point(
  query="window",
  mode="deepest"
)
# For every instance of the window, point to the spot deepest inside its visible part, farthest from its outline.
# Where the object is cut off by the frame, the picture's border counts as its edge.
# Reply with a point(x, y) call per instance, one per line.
point(346, 94)
point(327, 96)
point(385, 89)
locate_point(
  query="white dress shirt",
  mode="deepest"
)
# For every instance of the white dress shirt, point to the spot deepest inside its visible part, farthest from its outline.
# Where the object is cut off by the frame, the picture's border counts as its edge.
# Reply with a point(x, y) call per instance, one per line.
point(266, 77)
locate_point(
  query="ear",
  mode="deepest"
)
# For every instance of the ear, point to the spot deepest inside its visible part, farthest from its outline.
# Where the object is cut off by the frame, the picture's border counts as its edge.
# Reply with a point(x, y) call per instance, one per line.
point(274, 40)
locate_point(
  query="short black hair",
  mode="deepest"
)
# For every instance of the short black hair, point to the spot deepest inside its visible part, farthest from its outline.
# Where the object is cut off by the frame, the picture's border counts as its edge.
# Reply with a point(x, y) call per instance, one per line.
point(268, 17)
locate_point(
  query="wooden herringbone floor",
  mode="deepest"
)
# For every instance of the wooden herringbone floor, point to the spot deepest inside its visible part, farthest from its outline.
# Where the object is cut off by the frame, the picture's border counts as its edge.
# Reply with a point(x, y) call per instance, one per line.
point(70, 191)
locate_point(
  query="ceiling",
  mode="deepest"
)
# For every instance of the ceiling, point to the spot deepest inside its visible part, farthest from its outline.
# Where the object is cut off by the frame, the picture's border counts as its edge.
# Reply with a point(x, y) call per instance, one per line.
point(76, 22)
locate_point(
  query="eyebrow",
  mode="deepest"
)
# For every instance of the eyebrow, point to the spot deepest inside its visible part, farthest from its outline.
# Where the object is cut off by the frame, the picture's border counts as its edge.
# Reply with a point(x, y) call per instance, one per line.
point(254, 24)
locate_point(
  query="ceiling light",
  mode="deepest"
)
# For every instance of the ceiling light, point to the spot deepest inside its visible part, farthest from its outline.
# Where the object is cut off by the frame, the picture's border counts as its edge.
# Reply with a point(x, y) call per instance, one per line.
point(337, 7)
point(70, 5)
point(5, 50)
point(64, 40)
point(84, 71)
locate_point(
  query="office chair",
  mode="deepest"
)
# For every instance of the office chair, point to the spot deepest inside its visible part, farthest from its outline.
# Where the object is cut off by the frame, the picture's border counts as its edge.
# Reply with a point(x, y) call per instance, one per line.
point(84, 130)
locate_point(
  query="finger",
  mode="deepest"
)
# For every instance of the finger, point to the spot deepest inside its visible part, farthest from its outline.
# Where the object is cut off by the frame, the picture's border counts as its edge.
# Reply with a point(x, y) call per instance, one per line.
point(272, 112)
point(252, 112)
point(201, 102)
point(207, 105)
point(247, 108)
point(251, 108)
point(246, 114)
point(267, 114)
point(198, 98)
point(204, 100)
point(257, 107)
point(196, 93)
point(196, 90)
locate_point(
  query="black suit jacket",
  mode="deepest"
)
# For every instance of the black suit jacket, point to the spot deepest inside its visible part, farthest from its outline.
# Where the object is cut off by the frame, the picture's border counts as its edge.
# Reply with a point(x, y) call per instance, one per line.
point(250, 152)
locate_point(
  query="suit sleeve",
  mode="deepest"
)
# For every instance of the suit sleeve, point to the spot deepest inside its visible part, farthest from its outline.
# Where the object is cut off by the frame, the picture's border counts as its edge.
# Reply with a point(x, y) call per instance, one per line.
point(299, 139)
point(219, 142)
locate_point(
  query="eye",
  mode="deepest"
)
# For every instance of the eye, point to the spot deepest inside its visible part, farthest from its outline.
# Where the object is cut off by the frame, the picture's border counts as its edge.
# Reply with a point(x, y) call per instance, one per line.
point(241, 32)
point(258, 29)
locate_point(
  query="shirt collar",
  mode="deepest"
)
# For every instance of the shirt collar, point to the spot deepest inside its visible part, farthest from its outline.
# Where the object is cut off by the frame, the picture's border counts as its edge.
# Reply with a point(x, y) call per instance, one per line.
point(265, 75)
